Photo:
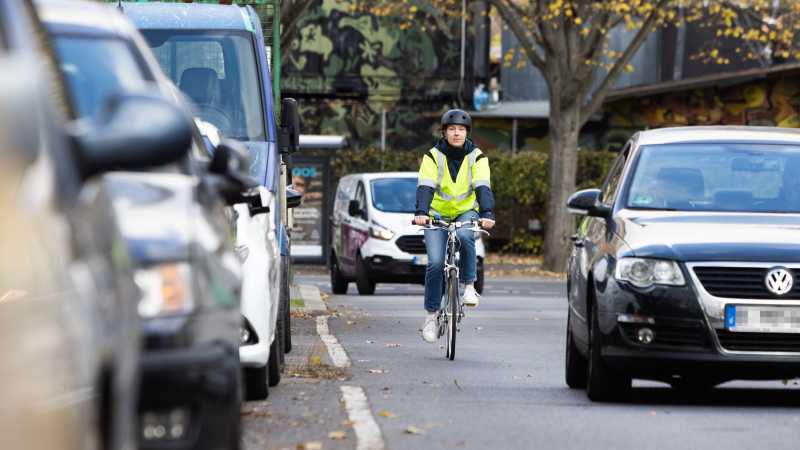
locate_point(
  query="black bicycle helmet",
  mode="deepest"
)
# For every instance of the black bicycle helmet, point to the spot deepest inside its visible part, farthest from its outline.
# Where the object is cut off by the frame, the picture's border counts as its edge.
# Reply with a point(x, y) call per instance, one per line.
point(456, 117)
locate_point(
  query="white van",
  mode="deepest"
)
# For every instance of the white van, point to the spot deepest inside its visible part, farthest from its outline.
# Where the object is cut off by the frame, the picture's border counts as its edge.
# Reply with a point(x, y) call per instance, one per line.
point(373, 239)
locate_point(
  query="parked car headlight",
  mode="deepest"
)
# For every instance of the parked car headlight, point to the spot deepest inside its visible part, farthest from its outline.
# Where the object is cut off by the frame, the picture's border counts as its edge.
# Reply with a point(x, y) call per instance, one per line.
point(380, 232)
point(166, 290)
point(645, 272)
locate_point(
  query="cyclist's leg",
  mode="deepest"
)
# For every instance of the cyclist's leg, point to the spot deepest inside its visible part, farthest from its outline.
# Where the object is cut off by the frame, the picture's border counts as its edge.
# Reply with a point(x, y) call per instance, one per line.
point(468, 260)
point(435, 244)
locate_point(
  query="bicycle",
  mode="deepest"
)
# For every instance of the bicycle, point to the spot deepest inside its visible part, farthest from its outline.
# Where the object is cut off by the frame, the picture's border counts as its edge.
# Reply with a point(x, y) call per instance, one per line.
point(452, 310)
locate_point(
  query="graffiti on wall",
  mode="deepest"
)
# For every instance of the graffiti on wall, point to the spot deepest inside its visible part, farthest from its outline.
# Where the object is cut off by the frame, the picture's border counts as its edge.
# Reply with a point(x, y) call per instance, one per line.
point(355, 71)
point(767, 103)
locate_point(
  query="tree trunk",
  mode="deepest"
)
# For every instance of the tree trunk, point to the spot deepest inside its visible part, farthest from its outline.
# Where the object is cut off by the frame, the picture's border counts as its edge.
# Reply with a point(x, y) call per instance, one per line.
point(562, 167)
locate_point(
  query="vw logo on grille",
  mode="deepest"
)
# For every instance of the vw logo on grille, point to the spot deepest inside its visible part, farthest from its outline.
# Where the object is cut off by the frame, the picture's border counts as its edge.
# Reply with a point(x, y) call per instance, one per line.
point(779, 281)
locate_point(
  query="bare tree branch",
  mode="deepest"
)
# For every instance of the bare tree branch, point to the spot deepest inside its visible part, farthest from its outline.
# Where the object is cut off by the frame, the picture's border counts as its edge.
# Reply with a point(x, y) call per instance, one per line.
point(616, 70)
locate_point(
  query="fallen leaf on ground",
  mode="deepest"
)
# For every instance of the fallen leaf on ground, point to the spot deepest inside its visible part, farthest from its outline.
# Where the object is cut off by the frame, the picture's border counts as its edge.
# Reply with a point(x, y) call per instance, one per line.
point(478, 328)
point(414, 430)
point(370, 341)
point(387, 414)
point(393, 345)
point(377, 371)
point(457, 385)
point(314, 360)
point(350, 322)
point(337, 435)
point(652, 413)
point(313, 445)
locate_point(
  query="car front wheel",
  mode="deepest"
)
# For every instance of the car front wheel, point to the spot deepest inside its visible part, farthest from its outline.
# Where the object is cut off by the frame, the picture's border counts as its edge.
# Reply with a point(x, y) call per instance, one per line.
point(575, 370)
point(603, 383)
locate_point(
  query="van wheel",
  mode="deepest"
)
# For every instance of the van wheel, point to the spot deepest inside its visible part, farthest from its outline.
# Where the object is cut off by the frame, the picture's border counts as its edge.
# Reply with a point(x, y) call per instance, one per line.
point(338, 282)
point(286, 311)
point(363, 283)
point(274, 362)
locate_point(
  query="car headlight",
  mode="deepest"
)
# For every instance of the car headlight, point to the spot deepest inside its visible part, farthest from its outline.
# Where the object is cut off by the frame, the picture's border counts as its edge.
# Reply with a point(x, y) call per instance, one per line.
point(166, 290)
point(380, 232)
point(645, 272)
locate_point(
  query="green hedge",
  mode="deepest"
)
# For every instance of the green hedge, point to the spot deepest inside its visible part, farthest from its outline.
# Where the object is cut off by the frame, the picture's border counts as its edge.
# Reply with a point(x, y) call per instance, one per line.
point(519, 183)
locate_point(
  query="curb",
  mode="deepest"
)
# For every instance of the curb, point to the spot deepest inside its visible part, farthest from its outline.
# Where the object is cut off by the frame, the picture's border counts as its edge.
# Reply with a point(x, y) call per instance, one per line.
point(311, 298)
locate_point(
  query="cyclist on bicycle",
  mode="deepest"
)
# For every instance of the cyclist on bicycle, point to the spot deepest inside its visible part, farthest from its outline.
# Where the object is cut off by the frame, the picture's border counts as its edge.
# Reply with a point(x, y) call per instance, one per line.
point(453, 186)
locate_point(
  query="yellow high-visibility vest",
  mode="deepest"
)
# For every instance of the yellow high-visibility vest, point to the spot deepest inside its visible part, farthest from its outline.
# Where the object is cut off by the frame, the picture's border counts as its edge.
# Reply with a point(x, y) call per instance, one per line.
point(454, 197)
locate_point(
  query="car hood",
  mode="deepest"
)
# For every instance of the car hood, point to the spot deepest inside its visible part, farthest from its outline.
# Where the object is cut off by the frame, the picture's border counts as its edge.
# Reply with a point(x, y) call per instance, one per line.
point(685, 236)
point(398, 223)
point(158, 216)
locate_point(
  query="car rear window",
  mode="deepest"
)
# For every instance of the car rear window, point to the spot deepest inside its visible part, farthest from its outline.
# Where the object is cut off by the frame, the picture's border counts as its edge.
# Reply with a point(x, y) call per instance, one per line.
point(729, 177)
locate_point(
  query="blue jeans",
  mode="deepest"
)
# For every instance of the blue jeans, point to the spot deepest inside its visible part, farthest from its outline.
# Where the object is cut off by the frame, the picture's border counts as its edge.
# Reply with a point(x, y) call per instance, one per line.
point(436, 245)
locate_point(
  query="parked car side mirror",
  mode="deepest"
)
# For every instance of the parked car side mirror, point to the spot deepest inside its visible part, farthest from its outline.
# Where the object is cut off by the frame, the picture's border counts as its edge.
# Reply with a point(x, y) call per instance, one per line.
point(293, 198)
point(231, 161)
point(587, 203)
point(289, 136)
point(135, 132)
point(354, 210)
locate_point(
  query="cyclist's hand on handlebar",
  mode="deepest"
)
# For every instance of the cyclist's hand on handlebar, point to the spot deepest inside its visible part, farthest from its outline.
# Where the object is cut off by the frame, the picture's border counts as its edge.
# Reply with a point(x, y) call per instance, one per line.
point(420, 220)
point(487, 224)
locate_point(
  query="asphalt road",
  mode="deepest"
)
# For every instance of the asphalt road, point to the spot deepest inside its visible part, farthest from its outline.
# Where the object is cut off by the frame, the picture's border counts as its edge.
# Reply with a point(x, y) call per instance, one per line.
point(506, 390)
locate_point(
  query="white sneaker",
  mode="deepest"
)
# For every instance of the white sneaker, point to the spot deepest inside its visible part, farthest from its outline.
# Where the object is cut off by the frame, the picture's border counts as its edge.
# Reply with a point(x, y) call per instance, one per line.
point(429, 328)
point(470, 297)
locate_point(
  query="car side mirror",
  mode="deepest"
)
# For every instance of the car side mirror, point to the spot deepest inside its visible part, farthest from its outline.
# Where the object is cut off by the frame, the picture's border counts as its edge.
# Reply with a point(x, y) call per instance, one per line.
point(293, 198)
point(354, 210)
point(231, 161)
point(587, 203)
point(289, 136)
point(135, 132)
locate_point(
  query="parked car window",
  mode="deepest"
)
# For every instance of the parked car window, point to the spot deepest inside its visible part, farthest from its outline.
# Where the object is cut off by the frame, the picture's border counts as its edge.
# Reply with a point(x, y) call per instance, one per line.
point(361, 198)
point(91, 84)
point(218, 72)
point(613, 179)
point(396, 195)
point(718, 177)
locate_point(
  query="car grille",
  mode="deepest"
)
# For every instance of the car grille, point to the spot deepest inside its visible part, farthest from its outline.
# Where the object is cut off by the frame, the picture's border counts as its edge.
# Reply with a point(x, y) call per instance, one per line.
point(742, 282)
point(412, 244)
point(686, 334)
point(759, 342)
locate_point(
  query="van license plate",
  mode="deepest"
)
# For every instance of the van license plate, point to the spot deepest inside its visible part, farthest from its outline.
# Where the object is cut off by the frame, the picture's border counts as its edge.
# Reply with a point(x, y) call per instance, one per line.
point(763, 319)
point(420, 260)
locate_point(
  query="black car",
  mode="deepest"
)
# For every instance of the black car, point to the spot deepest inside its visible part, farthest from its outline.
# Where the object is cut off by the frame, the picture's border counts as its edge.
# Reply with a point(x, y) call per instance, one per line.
point(176, 231)
point(684, 270)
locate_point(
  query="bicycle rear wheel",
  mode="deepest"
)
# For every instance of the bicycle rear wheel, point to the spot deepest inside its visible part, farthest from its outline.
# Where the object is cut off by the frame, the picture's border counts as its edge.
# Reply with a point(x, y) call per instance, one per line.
point(452, 314)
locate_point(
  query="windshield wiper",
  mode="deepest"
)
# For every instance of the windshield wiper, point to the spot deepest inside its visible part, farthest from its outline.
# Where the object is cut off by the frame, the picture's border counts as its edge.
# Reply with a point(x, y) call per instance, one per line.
point(647, 208)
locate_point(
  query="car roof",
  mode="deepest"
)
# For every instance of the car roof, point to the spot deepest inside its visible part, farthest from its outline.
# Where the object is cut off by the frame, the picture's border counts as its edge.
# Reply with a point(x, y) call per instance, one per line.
point(83, 17)
point(718, 134)
point(187, 16)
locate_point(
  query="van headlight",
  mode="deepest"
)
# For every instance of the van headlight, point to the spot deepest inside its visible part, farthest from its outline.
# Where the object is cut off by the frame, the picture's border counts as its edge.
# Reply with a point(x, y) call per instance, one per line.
point(166, 290)
point(645, 272)
point(380, 232)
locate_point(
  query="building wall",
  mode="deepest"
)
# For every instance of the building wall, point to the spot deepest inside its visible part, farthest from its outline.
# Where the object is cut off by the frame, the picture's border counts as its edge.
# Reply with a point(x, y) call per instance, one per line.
point(771, 102)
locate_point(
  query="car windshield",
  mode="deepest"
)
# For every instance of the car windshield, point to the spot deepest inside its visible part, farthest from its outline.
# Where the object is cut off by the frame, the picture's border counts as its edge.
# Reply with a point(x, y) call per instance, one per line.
point(218, 72)
point(91, 84)
point(717, 177)
point(395, 195)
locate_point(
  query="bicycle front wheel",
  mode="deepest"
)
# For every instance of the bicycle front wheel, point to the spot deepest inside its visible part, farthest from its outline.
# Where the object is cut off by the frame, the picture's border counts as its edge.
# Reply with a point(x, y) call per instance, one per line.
point(452, 314)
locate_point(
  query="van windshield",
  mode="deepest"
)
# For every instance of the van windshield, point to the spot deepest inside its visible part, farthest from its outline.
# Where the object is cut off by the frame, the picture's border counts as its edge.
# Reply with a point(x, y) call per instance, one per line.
point(394, 195)
point(218, 72)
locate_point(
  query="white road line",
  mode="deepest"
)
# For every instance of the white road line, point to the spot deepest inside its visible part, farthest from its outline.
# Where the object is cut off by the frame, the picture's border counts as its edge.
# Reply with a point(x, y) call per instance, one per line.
point(335, 350)
point(368, 434)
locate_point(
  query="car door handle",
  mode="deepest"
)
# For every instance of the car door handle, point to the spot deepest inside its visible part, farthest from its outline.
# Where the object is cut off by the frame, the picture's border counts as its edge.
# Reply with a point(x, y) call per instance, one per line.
point(576, 241)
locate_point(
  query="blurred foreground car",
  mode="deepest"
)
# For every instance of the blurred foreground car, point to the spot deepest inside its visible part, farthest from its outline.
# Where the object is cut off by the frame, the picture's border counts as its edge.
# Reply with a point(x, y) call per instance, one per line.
point(685, 270)
point(175, 228)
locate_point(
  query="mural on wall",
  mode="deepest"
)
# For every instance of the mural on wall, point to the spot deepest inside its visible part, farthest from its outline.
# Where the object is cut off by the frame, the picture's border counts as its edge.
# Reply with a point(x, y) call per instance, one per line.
point(773, 102)
point(348, 67)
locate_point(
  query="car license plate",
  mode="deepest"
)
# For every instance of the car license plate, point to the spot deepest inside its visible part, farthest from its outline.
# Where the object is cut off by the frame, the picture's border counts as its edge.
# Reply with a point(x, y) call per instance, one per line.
point(420, 260)
point(763, 319)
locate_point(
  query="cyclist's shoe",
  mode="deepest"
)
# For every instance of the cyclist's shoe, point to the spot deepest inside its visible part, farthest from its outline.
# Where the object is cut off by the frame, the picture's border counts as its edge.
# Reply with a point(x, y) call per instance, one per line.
point(470, 297)
point(429, 328)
